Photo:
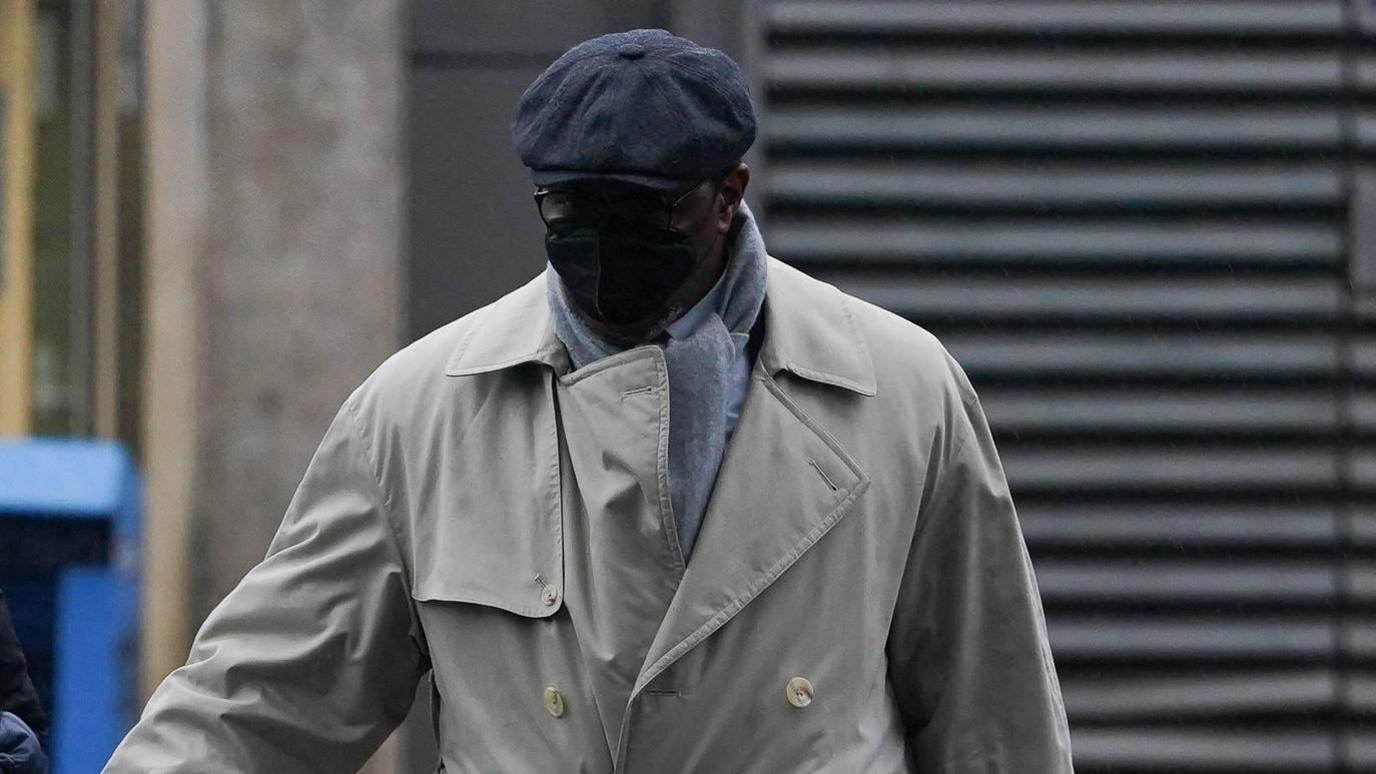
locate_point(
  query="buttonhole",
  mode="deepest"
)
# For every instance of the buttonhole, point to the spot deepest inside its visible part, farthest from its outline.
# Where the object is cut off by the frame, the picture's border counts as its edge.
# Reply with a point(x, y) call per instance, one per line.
point(637, 391)
point(830, 484)
point(661, 692)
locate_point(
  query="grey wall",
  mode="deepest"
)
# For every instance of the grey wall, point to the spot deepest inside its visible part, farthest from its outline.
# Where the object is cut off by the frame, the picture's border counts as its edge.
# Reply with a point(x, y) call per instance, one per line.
point(300, 279)
point(273, 278)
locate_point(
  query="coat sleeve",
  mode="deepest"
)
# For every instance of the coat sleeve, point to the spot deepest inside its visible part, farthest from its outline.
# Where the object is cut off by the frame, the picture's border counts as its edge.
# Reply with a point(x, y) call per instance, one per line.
point(968, 651)
point(313, 658)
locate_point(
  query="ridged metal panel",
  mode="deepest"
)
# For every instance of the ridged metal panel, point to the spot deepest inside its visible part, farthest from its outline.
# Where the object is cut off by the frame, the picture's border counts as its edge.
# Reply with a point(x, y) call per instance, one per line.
point(1121, 19)
point(1128, 221)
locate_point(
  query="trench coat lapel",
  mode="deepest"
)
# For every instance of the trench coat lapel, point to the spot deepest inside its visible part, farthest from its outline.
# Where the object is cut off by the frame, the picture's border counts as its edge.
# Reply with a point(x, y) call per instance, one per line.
point(785, 481)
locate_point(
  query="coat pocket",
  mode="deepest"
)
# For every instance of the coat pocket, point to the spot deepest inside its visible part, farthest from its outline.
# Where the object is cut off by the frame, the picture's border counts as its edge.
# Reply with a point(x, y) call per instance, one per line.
point(525, 577)
point(502, 550)
point(508, 675)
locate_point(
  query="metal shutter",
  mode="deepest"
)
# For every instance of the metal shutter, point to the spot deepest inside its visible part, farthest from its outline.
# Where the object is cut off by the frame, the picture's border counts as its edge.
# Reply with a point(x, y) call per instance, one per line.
point(1128, 221)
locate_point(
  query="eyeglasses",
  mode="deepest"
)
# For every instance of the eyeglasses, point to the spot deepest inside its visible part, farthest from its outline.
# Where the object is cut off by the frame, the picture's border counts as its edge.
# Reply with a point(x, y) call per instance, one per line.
point(564, 209)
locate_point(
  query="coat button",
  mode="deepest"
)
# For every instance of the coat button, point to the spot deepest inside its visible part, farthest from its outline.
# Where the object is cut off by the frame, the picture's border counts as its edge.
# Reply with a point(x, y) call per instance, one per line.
point(550, 595)
point(799, 692)
point(554, 701)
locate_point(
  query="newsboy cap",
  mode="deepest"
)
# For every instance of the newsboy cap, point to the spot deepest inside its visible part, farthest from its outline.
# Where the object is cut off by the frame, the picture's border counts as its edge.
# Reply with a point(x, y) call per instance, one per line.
point(642, 106)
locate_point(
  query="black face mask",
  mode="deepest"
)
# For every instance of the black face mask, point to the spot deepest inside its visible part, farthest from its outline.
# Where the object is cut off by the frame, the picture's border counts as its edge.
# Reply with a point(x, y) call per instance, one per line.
point(621, 273)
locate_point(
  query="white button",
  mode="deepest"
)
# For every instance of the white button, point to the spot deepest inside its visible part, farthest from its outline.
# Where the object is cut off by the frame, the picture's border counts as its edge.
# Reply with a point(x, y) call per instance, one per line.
point(554, 701)
point(550, 595)
point(799, 692)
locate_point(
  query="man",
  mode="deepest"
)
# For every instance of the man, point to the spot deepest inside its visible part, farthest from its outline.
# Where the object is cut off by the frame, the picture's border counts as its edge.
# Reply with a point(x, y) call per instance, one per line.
point(672, 506)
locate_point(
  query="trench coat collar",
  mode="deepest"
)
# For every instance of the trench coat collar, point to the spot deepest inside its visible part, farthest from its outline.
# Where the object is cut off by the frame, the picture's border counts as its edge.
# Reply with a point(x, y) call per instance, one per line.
point(808, 332)
point(515, 329)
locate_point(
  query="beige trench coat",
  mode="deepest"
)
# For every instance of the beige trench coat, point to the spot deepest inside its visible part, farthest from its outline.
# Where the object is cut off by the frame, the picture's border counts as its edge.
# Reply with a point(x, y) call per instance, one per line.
point(859, 599)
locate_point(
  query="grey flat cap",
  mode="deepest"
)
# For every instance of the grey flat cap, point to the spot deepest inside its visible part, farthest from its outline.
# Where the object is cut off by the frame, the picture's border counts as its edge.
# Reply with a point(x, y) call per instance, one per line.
point(642, 106)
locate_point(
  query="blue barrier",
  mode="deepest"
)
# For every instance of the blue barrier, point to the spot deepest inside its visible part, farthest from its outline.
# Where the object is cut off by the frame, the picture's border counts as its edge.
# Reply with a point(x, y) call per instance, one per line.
point(69, 536)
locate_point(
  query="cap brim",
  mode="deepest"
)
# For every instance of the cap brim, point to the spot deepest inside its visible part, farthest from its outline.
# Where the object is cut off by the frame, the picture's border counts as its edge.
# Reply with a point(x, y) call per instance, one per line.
point(556, 176)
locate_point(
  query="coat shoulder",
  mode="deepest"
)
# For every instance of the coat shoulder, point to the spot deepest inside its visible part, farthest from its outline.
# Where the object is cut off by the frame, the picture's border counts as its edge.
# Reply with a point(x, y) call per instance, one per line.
point(416, 370)
point(412, 384)
point(908, 358)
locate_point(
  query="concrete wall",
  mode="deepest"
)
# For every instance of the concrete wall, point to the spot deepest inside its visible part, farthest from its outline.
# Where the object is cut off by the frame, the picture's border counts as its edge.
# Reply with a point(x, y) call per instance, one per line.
point(304, 265)
point(275, 270)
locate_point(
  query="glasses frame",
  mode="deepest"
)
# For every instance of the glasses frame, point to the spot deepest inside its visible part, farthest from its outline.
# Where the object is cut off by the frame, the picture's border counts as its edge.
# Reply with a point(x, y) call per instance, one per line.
point(601, 204)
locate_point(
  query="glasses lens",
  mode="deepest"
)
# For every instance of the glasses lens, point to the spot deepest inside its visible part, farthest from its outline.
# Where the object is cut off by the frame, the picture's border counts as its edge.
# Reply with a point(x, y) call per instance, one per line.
point(562, 210)
point(566, 209)
point(649, 210)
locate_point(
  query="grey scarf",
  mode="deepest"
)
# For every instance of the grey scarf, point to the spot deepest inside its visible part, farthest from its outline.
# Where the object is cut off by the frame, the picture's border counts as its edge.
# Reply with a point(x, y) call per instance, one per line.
point(698, 368)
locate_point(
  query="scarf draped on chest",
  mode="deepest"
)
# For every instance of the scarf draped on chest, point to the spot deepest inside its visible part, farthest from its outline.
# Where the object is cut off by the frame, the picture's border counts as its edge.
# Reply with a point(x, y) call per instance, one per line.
point(699, 366)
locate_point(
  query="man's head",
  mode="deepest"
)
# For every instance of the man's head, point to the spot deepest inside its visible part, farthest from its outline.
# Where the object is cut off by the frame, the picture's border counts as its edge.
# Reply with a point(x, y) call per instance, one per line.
point(634, 143)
